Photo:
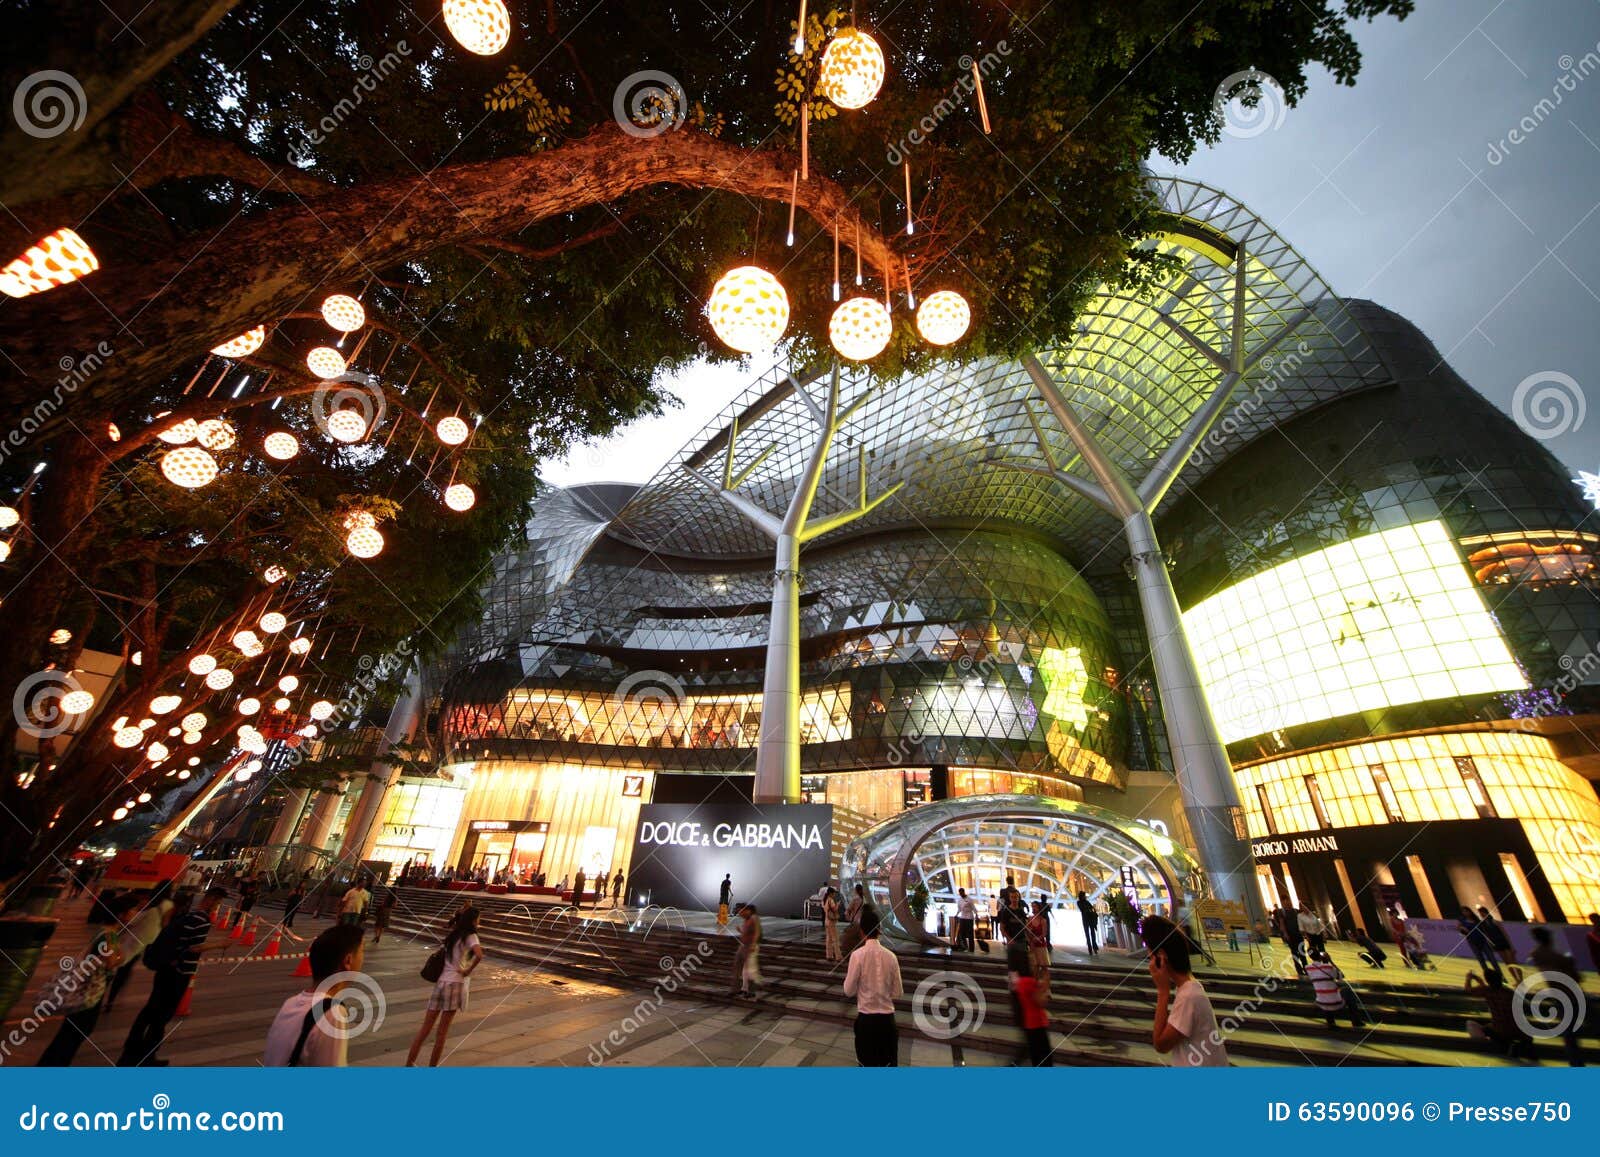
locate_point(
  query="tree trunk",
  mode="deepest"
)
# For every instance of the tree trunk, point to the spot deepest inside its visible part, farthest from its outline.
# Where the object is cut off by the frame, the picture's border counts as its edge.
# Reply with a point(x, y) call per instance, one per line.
point(156, 315)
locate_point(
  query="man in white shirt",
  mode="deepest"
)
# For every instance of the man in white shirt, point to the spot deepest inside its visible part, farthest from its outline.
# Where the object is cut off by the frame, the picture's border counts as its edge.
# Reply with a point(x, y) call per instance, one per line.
point(873, 978)
point(1185, 1026)
point(966, 921)
point(354, 905)
point(310, 1028)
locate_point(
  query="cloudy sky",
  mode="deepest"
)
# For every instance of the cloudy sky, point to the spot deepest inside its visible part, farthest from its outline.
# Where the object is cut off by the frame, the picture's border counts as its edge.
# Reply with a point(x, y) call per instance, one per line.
point(1439, 186)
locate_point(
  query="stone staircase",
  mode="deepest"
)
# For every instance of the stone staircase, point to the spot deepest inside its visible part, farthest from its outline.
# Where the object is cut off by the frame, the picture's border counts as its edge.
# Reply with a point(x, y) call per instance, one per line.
point(1101, 1011)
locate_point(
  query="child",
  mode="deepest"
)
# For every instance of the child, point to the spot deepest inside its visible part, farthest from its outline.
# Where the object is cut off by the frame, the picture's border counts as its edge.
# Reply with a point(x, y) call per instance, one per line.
point(1031, 999)
point(1185, 1026)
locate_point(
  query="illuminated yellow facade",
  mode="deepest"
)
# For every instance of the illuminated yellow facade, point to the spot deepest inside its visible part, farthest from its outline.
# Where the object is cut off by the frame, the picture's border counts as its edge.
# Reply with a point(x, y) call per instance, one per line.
point(1463, 775)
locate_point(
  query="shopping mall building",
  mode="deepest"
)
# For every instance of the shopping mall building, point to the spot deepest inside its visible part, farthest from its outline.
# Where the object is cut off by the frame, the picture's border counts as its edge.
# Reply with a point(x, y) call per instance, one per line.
point(1390, 589)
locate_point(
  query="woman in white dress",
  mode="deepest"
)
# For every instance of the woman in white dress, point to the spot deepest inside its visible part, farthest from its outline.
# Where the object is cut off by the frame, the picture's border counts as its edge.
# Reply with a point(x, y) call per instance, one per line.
point(462, 954)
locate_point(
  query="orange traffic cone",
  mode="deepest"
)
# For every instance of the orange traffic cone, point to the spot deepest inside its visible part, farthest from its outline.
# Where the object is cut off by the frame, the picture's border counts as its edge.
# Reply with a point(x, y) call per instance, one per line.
point(188, 997)
point(274, 941)
point(237, 931)
point(249, 934)
point(219, 917)
point(304, 967)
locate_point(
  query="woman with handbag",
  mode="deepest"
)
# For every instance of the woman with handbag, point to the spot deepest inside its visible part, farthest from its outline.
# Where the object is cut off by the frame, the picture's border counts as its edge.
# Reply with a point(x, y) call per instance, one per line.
point(450, 969)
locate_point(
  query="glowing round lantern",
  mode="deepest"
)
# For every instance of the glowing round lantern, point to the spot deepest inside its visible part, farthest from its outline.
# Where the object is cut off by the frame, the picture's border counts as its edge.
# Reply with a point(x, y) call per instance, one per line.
point(61, 636)
point(460, 496)
point(253, 766)
point(128, 737)
point(452, 431)
point(161, 704)
point(943, 317)
point(320, 710)
point(5, 551)
point(189, 467)
point(179, 433)
point(156, 752)
point(254, 744)
point(77, 702)
point(244, 345)
point(191, 737)
point(300, 646)
point(280, 704)
point(249, 706)
point(749, 309)
point(113, 431)
point(288, 682)
point(272, 622)
point(364, 542)
point(860, 328)
point(247, 642)
point(120, 813)
point(852, 69)
point(215, 434)
point(325, 361)
point(344, 313)
point(9, 517)
point(183, 774)
point(347, 426)
point(281, 446)
point(61, 257)
point(360, 518)
point(146, 724)
point(481, 26)
point(202, 665)
point(274, 574)
point(194, 761)
point(220, 679)
point(243, 774)
point(174, 732)
point(144, 797)
point(194, 721)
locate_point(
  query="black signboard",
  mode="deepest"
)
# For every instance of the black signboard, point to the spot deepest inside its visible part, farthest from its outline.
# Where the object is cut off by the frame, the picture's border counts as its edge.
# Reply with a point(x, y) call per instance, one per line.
point(777, 854)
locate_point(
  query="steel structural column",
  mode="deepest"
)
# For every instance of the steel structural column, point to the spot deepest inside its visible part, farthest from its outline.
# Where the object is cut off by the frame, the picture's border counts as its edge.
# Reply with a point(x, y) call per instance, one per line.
point(366, 816)
point(778, 749)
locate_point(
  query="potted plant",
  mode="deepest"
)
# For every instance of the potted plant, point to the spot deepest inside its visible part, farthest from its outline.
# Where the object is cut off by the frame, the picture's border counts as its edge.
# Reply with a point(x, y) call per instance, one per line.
point(1124, 916)
point(919, 902)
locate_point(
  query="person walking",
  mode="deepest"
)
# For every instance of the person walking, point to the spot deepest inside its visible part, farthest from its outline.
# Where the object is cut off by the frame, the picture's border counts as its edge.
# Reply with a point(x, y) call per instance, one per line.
point(1503, 1033)
point(1288, 921)
point(174, 956)
point(292, 902)
point(1185, 1029)
point(724, 902)
point(310, 1029)
point(966, 922)
point(90, 984)
point(1038, 943)
point(1371, 951)
point(578, 881)
point(1499, 942)
point(1400, 933)
point(1554, 964)
point(873, 979)
point(381, 914)
point(1471, 929)
point(747, 957)
point(830, 926)
point(138, 933)
point(852, 933)
point(1313, 930)
point(1031, 1005)
point(353, 907)
point(600, 887)
point(249, 892)
point(463, 952)
point(1091, 923)
point(616, 889)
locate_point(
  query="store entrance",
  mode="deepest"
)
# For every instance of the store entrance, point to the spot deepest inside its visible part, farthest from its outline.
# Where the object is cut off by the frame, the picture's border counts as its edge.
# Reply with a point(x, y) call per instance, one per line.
point(508, 851)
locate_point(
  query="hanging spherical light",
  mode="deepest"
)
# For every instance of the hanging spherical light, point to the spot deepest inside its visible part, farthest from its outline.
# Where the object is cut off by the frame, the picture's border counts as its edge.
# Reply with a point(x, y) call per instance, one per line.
point(5, 551)
point(191, 737)
point(272, 622)
point(309, 731)
point(320, 710)
point(113, 431)
point(325, 361)
point(144, 797)
point(360, 518)
point(281, 446)
point(243, 774)
point(189, 467)
point(300, 646)
point(248, 730)
point(202, 665)
point(244, 345)
point(247, 643)
point(452, 431)
point(174, 732)
point(156, 752)
point(280, 704)
point(120, 813)
point(146, 724)
point(852, 69)
point(364, 542)
point(128, 737)
point(255, 745)
point(220, 679)
point(9, 517)
point(193, 761)
point(288, 682)
point(215, 434)
point(343, 312)
point(161, 704)
point(61, 257)
point(347, 426)
point(194, 721)
point(77, 702)
point(943, 317)
point(460, 496)
point(860, 328)
point(481, 26)
point(179, 433)
point(137, 658)
point(249, 706)
point(60, 637)
point(748, 309)
point(274, 574)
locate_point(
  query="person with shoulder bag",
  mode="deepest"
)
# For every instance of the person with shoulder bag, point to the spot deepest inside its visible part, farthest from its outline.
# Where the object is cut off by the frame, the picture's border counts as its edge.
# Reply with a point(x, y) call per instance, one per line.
point(309, 1029)
point(450, 968)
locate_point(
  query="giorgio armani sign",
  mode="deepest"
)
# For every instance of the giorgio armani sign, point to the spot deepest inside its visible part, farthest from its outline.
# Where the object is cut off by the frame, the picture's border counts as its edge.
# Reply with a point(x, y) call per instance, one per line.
point(777, 854)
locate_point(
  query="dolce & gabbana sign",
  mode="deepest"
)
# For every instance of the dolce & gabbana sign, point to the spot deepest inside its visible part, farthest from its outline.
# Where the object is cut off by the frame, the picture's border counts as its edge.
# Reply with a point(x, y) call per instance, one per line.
point(776, 854)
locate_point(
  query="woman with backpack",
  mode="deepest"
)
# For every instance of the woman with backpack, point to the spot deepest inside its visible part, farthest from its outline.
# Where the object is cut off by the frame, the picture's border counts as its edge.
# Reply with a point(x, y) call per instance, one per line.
point(450, 968)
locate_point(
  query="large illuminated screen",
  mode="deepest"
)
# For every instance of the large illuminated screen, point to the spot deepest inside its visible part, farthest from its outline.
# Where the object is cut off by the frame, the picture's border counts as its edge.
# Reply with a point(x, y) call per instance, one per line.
point(1382, 620)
